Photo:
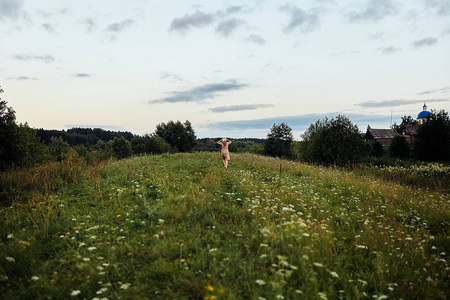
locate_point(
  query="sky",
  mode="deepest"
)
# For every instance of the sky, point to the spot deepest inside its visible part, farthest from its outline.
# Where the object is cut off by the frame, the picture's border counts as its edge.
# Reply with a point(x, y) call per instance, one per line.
point(232, 68)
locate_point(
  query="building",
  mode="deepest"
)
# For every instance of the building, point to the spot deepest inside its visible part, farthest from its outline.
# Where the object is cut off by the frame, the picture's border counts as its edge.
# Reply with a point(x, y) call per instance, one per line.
point(423, 115)
point(384, 136)
point(410, 133)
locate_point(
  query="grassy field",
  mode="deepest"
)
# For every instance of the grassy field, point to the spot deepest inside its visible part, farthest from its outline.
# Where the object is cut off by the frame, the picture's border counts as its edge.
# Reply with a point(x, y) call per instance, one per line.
point(182, 227)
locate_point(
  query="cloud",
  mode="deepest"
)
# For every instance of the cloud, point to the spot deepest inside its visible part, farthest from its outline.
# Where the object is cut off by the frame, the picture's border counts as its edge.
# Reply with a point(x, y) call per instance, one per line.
point(254, 38)
point(442, 6)
point(171, 77)
point(48, 27)
point(25, 57)
point(297, 122)
point(399, 102)
point(82, 75)
point(10, 9)
point(388, 50)
point(23, 78)
point(222, 109)
point(442, 90)
point(233, 9)
point(429, 41)
point(200, 93)
point(300, 20)
point(373, 10)
point(227, 27)
point(198, 19)
point(119, 26)
point(89, 24)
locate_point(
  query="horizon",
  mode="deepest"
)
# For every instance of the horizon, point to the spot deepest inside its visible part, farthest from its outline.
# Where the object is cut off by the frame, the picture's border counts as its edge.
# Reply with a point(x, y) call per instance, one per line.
point(231, 68)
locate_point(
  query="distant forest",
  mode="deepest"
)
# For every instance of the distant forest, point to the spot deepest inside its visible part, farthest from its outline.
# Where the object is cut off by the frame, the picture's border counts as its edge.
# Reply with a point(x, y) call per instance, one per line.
point(82, 136)
point(89, 137)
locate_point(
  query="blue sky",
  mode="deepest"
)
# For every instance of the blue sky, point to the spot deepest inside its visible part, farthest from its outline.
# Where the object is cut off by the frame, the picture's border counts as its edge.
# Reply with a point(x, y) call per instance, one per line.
point(232, 68)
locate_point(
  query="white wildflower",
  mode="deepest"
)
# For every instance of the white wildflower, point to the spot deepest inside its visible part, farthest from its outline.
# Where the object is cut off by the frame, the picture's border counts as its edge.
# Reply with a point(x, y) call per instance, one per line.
point(322, 296)
point(334, 274)
point(34, 278)
point(10, 259)
point(318, 264)
point(75, 293)
point(92, 248)
point(260, 282)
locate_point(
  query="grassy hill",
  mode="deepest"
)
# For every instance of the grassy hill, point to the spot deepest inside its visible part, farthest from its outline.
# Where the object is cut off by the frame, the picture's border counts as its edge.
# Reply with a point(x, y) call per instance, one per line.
point(181, 227)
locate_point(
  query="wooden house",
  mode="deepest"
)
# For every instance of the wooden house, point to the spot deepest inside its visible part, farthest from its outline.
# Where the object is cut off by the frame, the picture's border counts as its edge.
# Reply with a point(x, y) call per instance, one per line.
point(384, 136)
point(410, 133)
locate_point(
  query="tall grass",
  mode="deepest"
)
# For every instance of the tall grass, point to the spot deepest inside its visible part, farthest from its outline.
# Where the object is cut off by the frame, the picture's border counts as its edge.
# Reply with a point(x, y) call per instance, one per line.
point(179, 226)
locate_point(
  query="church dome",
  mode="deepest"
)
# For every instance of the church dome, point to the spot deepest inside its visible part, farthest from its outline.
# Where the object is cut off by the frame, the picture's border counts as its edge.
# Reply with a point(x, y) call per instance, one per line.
point(423, 115)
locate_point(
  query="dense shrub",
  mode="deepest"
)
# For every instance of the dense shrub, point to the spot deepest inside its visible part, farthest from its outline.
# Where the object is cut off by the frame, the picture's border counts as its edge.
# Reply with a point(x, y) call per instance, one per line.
point(399, 147)
point(279, 140)
point(333, 142)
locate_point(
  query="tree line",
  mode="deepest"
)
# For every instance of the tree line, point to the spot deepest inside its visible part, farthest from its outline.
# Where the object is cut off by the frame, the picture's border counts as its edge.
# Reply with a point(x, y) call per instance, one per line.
point(335, 141)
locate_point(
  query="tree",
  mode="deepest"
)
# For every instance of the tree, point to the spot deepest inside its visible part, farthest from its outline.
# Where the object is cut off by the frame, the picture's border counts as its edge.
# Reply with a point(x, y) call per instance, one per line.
point(179, 136)
point(433, 138)
point(377, 149)
point(121, 147)
point(9, 152)
point(399, 147)
point(149, 144)
point(336, 141)
point(58, 147)
point(406, 121)
point(278, 142)
point(19, 145)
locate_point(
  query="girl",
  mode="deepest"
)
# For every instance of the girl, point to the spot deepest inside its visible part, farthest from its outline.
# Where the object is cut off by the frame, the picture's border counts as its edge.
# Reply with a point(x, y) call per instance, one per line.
point(225, 154)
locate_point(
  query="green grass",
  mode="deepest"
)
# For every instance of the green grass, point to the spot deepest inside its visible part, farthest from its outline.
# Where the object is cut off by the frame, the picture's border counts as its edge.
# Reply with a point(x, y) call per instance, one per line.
point(181, 227)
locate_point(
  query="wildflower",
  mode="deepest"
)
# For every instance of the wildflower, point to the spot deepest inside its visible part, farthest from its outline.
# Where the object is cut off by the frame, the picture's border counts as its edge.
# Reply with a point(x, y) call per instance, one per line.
point(279, 296)
point(102, 290)
point(10, 259)
point(319, 265)
point(361, 247)
point(92, 248)
point(264, 245)
point(34, 278)
point(334, 274)
point(322, 296)
point(125, 286)
point(213, 249)
point(75, 293)
point(306, 234)
point(209, 288)
point(10, 236)
point(260, 282)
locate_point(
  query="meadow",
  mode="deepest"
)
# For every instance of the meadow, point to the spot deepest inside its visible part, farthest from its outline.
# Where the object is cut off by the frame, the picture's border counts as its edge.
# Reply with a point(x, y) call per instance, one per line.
point(180, 226)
